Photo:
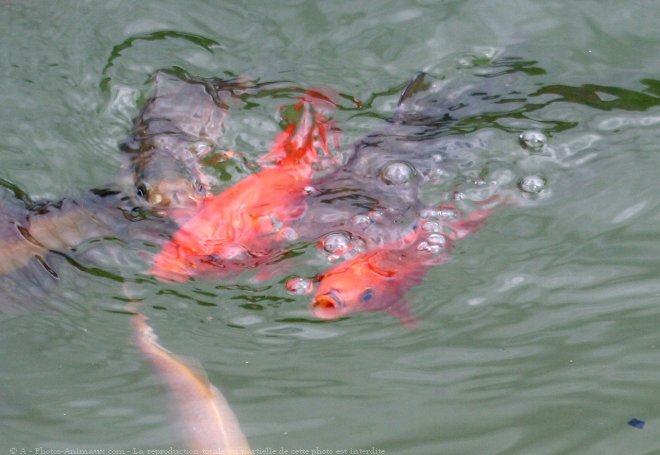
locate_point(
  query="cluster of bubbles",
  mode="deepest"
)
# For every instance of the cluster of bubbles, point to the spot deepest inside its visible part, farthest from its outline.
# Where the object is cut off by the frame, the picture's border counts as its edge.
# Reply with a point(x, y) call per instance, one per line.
point(432, 228)
point(534, 141)
point(434, 225)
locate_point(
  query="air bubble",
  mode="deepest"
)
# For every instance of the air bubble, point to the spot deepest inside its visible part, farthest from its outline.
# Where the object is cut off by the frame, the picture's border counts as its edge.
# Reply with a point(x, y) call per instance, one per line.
point(298, 286)
point(397, 173)
point(375, 215)
point(532, 140)
point(437, 175)
point(426, 214)
point(447, 213)
point(532, 184)
point(427, 247)
point(437, 239)
point(431, 226)
point(361, 221)
point(336, 243)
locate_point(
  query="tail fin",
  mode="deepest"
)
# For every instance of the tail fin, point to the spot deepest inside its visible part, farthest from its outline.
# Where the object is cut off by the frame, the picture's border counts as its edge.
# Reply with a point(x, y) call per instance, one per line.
point(469, 222)
point(306, 137)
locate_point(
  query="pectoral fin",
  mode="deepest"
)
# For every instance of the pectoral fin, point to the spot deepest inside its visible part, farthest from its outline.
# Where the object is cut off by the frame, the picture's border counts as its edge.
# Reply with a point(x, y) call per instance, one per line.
point(401, 311)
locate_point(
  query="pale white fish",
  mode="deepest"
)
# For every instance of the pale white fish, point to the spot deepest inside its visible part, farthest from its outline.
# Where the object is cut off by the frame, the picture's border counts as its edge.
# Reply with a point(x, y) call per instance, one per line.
point(207, 420)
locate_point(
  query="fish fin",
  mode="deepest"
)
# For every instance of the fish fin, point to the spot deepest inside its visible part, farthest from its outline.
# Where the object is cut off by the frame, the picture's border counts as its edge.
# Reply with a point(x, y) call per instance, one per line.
point(401, 311)
point(170, 265)
point(465, 226)
point(378, 270)
point(323, 98)
point(416, 85)
point(307, 131)
point(277, 151)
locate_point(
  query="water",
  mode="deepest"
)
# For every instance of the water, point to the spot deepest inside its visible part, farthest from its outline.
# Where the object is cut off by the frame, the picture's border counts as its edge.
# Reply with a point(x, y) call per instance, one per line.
point(537, 337)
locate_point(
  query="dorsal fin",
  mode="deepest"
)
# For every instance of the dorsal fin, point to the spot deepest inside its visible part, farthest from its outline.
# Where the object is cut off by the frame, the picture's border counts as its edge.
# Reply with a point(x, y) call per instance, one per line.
point(416, 85)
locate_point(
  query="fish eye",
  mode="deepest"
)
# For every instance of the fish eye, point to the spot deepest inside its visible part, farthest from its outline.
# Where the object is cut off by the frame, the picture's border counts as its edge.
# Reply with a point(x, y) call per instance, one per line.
point(367, 295)
point(141, 191)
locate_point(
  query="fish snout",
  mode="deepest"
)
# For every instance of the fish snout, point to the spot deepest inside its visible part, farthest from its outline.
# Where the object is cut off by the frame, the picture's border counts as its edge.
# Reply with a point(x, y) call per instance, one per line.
point(176, 194)
point(327, 306)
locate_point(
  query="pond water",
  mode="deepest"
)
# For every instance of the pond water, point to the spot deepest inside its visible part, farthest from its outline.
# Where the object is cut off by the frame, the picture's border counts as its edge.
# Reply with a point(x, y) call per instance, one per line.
point(537, 337)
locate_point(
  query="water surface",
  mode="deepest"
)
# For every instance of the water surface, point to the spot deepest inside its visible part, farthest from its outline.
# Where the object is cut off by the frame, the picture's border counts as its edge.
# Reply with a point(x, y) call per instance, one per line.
point(538, 337)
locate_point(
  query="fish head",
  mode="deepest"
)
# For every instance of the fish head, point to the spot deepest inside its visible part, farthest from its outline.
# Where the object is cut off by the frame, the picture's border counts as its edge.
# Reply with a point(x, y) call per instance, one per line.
point(171, 193)
point(335, 304)
point(166, 178)
point(344, 290)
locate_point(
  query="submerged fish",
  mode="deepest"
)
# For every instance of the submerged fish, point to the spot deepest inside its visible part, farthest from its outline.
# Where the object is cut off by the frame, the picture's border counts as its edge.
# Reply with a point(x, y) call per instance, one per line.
point(99, 228)
point(180, 123)
point(374, 198)
point(207, 421)
point(378, 279)
point(247, 224)
point(375, 194)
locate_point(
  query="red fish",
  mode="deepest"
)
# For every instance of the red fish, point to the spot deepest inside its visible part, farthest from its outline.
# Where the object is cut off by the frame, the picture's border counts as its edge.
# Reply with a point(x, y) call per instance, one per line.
point(244, 225)
point(378, 279)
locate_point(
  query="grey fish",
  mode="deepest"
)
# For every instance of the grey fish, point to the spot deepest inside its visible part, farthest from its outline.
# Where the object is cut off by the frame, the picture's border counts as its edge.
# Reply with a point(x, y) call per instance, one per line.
point(180, 123)
point(375, 196)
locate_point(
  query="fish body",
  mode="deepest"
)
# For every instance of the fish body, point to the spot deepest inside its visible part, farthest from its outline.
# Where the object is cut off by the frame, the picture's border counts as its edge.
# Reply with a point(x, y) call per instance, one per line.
point(385, 173)
point(375, 194)
point(44, 226)
point(98, 228)
point(181, 121)
point(378, 279)
point(236, 229)
point(428, 132)
point(248, 223)
point(207, 421)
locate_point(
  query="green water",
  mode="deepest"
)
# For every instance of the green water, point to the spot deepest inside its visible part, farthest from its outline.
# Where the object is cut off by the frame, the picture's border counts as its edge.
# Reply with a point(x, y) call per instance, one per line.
point(538, 337)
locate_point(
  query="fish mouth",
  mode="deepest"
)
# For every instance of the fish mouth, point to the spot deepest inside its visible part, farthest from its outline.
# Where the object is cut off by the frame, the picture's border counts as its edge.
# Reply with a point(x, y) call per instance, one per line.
point(175, 193)
point(327, 306)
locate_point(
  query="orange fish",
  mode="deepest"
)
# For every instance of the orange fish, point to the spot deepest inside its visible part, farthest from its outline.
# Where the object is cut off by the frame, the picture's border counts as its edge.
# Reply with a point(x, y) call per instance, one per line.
point(243, 226)
point(378, 279)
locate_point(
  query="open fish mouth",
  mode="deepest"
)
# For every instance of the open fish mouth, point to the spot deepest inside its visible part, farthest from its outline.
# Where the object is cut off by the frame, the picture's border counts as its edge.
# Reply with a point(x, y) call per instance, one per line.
point(327, 306)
